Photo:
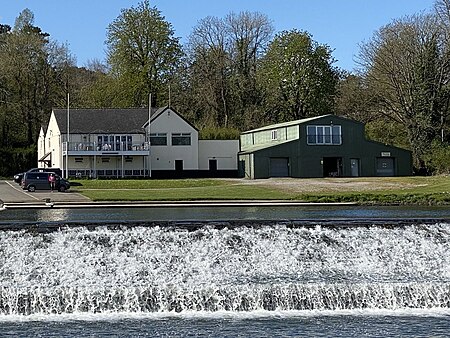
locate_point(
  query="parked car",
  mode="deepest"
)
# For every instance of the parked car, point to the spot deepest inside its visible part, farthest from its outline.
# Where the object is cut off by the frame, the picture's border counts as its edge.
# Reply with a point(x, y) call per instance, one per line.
point(39, 181)
point(18, 177)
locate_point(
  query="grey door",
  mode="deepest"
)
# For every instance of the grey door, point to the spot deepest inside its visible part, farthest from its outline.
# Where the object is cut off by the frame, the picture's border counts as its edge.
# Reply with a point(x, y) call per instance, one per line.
point(354, 165)
point(279, 167)
point(385, 166)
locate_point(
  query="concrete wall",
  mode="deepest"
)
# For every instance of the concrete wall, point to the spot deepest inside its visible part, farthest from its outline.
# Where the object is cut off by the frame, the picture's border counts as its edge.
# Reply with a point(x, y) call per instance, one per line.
point(224, 151)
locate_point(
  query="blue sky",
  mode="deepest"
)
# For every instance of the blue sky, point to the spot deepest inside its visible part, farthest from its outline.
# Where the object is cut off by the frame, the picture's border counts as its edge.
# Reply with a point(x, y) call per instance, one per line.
point(341, 24)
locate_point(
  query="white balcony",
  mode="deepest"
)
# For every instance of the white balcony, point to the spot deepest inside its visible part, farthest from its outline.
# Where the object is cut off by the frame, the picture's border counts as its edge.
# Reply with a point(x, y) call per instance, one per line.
point(94, 149)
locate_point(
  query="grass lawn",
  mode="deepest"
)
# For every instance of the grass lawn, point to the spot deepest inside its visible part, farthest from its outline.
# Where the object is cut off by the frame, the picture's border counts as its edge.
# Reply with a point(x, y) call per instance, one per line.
point(432, 190)
point(370, 190)
point(173, 190)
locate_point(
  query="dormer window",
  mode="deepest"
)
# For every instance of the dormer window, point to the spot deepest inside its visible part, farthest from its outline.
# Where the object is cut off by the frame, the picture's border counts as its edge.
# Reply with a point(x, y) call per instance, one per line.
point(274, 135)
point(324, 135)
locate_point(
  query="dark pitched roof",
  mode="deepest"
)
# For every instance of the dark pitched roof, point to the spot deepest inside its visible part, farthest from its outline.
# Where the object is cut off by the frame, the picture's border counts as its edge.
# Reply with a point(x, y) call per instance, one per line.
point(121, 121)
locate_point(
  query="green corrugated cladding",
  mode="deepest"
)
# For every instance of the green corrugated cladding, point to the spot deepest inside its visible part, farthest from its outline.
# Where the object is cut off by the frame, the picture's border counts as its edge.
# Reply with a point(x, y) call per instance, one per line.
point(307, 160)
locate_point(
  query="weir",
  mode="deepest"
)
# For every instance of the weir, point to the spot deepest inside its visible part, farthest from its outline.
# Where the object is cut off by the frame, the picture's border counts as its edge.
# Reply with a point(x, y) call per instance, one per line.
point(49, 226)
point(251, 266)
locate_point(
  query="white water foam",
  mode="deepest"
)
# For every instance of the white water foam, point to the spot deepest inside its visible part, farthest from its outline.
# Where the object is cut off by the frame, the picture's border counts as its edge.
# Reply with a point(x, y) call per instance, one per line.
point(77, 272)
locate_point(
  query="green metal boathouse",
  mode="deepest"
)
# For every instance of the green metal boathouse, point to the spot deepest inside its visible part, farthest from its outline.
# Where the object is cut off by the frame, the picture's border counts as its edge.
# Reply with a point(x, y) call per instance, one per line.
point(322, 146)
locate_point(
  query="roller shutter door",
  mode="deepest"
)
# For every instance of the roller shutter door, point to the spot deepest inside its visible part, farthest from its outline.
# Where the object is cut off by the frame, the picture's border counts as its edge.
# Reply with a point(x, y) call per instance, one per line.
point(385, 166)
point(279, 167)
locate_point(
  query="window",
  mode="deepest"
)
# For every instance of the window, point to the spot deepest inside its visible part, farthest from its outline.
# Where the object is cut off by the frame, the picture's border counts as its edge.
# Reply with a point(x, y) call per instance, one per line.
point(274, 135)
point(324, 135)
point(181, 139)
point(117, 143)
point(336, 135)
point(129, 144)
point(158, 139)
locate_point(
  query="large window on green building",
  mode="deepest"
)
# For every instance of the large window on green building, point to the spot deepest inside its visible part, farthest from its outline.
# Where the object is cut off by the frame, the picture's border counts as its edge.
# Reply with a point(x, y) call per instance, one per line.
point(324, 135)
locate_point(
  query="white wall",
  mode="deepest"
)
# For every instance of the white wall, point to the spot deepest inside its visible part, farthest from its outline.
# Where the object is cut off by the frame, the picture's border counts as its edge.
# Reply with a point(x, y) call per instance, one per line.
point(163, 157)
point(53, 142)
point(41, 146)
point(224, 151)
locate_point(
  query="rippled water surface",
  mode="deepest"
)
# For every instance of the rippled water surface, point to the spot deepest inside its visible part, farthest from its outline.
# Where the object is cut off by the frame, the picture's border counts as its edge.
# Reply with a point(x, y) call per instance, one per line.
point(223, 213)
point(269, 326)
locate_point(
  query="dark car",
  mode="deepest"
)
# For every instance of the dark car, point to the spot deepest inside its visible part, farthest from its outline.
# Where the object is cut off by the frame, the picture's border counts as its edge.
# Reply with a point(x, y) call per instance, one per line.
point(18, 177)
point(32, 181)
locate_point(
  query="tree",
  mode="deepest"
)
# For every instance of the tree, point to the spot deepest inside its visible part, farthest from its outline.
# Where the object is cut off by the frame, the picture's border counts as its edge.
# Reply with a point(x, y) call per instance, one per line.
point(298, 77)
point(142, 52)
point(249, 34)
point(32, 78)
point(407, 67)
point(222, 66)
point(24, 70)
point(352, 99)
point(442, 11)
point(209, 71)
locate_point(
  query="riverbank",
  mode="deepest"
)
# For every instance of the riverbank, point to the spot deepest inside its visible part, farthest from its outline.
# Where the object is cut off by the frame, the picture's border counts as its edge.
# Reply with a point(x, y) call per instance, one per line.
point(432, 190)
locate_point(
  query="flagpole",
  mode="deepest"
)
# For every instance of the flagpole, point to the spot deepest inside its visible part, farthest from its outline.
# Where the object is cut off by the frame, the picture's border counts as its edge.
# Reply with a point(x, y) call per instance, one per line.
point(68, 136)
point(149, 160)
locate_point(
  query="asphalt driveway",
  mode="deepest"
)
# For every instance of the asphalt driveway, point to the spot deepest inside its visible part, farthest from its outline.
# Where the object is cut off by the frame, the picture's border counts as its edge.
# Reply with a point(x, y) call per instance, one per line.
point(11, 192)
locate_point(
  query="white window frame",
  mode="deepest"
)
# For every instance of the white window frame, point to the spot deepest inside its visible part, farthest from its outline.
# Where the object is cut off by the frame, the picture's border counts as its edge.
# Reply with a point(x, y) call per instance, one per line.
point(274, 135)
point(158, 136)
point(324, 135)
point(185, 136)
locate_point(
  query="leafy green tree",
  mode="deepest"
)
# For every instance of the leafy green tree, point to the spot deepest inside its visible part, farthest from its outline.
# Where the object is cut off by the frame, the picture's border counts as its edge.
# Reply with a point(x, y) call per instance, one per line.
point(353, 100)
point(24, 71)
point(298, 77)
point(407, 67)
point(32, 81)
point(143, 53)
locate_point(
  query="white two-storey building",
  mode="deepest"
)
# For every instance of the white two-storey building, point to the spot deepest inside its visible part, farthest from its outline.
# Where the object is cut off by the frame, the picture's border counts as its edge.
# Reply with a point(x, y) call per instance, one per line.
point(121, 143)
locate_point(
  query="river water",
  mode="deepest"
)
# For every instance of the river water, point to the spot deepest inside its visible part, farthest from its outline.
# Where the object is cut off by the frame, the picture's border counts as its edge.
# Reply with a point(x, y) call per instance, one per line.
point(387, 274)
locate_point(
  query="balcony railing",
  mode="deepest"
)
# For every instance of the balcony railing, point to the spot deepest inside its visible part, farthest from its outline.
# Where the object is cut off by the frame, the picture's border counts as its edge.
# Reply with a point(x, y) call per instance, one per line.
point(94, 147)
point(108, 173)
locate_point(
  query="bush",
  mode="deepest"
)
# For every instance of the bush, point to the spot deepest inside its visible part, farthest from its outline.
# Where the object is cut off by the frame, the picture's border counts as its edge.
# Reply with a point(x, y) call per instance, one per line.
point(15, 160)
point(437, 160)
point(219, 134)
